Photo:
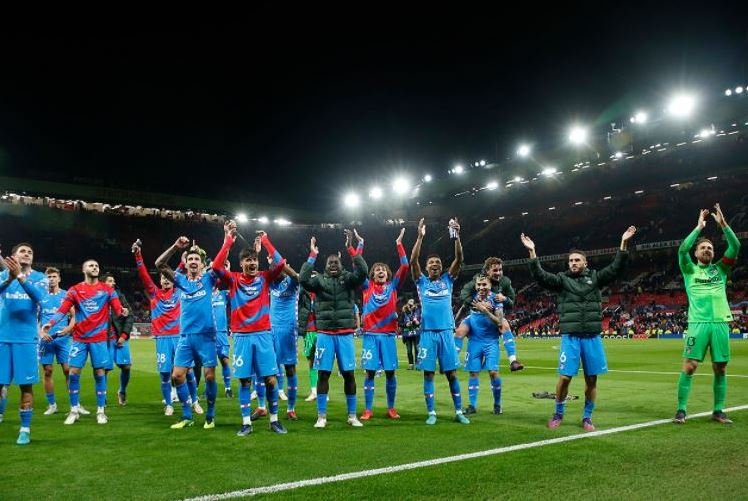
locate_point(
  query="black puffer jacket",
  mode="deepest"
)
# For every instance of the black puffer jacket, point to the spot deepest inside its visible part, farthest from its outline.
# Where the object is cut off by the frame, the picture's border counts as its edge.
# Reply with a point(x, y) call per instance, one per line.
point(579, 298)
point(334, 296)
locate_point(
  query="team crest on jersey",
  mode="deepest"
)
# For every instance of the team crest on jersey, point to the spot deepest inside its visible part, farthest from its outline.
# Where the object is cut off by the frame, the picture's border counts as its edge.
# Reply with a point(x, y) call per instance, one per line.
point(380, 298)
point(90, 305)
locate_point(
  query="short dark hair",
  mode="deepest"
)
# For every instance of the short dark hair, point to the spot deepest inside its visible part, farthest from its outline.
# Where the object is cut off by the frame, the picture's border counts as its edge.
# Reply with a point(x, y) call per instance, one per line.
point(52, 269)
point(702, 240)
point(491, 261)
point(107, 275)
point(433, 255)
point(578, 251)
point(18, 246)
point(247, 253)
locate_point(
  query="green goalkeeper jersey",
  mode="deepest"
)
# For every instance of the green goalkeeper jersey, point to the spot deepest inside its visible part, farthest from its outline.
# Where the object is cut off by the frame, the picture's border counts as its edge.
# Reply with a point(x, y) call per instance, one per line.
point(706, 284)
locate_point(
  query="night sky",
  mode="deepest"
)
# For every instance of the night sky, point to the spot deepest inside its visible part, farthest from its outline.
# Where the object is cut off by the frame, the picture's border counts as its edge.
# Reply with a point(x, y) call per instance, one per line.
point(293, 107)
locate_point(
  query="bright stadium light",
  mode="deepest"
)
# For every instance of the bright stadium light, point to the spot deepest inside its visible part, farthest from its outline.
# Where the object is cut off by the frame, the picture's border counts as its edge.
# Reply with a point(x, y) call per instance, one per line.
point(351, 200)
point(492, 185)
point(681, 105)
point(459, 169)
point(577, 135)
point(619, 155)
point(549, 171)
point(517, 179)
point(263, 220)
point(738, 90)
point(282, 222)
point(427, 178)
point(375, 193)
point(523, 150)
point(482, 163)
point(241, 218)
point(705, 133)
point(640, 117)
point(728, 92)
point(400, 185)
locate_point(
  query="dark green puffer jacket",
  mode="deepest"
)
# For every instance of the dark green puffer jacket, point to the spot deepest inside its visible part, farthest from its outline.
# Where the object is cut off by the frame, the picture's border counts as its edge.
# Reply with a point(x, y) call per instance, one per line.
point(334, 296)
point(579, 298)
point(502, 286)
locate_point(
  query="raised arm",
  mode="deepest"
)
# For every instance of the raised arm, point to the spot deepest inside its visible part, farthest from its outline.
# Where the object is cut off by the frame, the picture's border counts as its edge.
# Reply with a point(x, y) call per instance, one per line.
point(278, 262)
point(310, 283)
point(614, 269)
point(402, 270)
point(415, 254)
point(162, 262)
point(456, 266)
point(219, 263)
point(733, 243)
point(684, 257)
point(547, 280)
point(145, 277)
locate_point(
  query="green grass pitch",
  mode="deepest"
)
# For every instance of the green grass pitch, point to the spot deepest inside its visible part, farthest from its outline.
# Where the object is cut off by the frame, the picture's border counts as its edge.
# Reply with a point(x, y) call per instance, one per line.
point(137, 456)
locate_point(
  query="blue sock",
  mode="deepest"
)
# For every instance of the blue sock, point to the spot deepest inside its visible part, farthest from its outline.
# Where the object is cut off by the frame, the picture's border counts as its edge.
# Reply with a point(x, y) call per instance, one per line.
point(273, 399)
point(51, 398)
point(496, 389)
point(368, 393)
point(100, 390)
point(509, 346)
point(26, 417)
point(124, 379)
point(226, 372)
point(322, 404)
point(244, 401)
point(261, 393)
point(293, 391)
point(454, 387)
point(191, 386)
point(350, 400)
point(473, 387)
point(281, 379)
point(74, 389)
point(211, 389)
point(589, 406)
point(428, 393)
point(391, 391)
point(183, 393)
point(166, 387)
point(3, 398)
point(560, 406)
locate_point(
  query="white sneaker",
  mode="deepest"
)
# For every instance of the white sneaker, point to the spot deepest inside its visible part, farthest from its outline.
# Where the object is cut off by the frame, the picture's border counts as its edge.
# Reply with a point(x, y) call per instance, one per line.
point(353, 421)
point(312, 396)
point(52, 409)
point(82, 411)
point(282, 395)
point(72, 417)
point(253, 396)
point(321, 422)
point(101, 418)
point(168, 410)
point(196, 407)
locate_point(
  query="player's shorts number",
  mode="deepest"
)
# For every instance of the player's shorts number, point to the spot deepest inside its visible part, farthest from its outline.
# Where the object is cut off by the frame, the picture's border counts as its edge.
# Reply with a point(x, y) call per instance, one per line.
point(238, 361)
point(74, 351)
point(562, 358)
point(318, 352)
point(160, 358)
point(467, 356)
point(422, 353)
point(367, 355)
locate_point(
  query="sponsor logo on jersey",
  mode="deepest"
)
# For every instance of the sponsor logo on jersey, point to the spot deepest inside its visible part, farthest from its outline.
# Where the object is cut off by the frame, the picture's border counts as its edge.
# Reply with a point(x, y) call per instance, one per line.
point(195, 295)
point(89, 305)
point(16, 295)
point(439, 293)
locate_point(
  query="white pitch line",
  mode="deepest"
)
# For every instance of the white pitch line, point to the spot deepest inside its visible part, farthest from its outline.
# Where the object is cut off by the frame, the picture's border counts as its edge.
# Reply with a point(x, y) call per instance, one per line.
point(705, 373)
point(271, 489)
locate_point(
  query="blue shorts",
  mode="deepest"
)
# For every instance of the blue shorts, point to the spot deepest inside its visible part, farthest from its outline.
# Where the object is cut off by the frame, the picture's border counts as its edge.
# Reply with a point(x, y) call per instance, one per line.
point(223, 348)
point(197, 346)
point(166, 347)
point(99, 355)
point(482, 355)
point(379, 352)
point(329, 347)
point(437, 345)
point(589, 350)
point(58, 348)
point(18, 363)
point(254, 354)
point(285, 346)
point(117, 355)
